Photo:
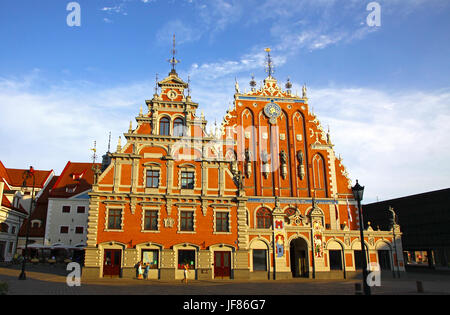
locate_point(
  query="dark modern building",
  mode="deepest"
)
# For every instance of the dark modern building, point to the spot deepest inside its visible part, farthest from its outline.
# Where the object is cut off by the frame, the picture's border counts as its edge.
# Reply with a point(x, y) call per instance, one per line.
point(424, 220)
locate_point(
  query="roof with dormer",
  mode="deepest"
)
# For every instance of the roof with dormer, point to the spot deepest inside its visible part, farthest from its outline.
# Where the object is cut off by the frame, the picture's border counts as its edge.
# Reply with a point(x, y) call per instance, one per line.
point(40, 212)
point(74, 179)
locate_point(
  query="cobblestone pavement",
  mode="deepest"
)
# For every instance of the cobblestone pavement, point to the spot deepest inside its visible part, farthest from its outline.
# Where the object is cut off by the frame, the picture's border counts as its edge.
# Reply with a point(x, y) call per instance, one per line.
point(51, 280)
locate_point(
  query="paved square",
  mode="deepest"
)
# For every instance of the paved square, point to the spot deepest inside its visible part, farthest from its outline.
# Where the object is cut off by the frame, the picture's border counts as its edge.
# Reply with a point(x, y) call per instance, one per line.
point(51, 280)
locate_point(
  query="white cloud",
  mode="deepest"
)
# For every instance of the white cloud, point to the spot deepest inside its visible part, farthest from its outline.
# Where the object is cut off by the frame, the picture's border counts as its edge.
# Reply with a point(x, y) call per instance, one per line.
point(393, 142)
point(47, 127)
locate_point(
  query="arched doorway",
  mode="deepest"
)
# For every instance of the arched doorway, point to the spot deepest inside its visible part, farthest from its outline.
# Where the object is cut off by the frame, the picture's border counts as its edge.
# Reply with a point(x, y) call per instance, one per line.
point(299, 258)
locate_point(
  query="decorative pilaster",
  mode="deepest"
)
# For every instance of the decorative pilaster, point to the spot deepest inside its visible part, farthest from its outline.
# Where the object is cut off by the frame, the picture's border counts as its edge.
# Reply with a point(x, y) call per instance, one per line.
point(169, 175)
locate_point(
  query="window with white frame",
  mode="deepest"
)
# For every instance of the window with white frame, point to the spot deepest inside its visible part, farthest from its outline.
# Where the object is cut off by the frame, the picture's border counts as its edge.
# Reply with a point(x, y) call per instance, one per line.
point(178, 127)
point(164, 126)
point(222, 221)
point(187, 179)
point(114, 221)
point(152, 178)
point(66, 209)
point(150, 220)
point(79, 230)
point(187, 221)
point(81, 209)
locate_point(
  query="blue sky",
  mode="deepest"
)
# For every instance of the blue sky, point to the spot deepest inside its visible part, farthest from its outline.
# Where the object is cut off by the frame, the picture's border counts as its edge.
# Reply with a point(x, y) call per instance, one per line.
point(385, 89)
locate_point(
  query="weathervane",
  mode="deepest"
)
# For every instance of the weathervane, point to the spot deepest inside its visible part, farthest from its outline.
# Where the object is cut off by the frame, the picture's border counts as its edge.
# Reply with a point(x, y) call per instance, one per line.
point(269, 67)
point(94, 149)
point(109, 142)
point(173, 61)
point(253, 82)
point(95, 168)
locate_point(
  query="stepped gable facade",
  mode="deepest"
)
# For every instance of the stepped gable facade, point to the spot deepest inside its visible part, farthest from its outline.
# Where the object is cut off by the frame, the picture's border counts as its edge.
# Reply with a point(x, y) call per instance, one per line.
point(166, 198)
point(263, 197)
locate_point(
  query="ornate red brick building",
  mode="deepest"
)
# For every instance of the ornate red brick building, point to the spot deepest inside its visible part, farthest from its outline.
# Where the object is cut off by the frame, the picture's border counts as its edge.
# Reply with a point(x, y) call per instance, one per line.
point(265, 197)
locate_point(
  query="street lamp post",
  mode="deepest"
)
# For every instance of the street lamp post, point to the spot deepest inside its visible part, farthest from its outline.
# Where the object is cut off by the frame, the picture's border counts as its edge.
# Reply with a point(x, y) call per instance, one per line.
point(358, 192)
point(394, 223)
point(27, 175)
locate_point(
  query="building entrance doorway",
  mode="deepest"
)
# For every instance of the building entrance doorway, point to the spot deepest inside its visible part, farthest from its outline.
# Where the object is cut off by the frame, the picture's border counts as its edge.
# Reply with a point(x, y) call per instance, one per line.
point(384, 259)
point(299, 258)
point(222, 264)
point(112, 262)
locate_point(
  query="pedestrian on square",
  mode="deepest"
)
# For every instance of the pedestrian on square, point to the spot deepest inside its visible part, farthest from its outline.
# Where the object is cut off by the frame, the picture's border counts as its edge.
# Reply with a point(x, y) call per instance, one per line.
point(140, 271)
point(186, 269)
point(147, 267)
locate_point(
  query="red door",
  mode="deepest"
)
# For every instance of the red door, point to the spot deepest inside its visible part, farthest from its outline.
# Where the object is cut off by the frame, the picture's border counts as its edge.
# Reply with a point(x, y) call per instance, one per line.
point(222, 264)
point(112, 262)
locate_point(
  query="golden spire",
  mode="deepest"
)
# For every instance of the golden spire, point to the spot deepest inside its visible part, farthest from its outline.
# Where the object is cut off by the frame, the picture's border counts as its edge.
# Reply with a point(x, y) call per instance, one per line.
point(269, 67)
point(94, 149)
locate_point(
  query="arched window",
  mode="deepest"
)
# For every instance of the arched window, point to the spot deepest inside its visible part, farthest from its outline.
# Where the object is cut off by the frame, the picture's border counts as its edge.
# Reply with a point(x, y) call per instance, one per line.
point(263, 219)
point(164, 126)
point(178, 127)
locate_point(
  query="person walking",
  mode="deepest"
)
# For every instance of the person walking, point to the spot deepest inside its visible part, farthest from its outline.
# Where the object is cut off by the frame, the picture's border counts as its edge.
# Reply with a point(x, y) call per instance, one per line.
point(140, 271)
point(186, 269)
point(147, 268)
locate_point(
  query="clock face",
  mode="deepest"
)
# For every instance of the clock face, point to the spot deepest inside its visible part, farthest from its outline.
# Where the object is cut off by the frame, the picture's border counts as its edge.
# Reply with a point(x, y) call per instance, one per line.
point(272, 110)
point(172, 94)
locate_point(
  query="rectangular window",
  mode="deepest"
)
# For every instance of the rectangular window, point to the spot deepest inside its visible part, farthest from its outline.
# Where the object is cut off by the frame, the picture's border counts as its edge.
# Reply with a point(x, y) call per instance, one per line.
point(152, 179)
point(222, 222)
point(64, 229)
point(335, 259)
point(187, 180)
point(187, 221)
point(151, 220)
point(66, 209)
point(81, 209)
point(186, 257)
point(10, 248)
point(259, 260)
point(79, 230)
point(115, 219)
point(150, 257)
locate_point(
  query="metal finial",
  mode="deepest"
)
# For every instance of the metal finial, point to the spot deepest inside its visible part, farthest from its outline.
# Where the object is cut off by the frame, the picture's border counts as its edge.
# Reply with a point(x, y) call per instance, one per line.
point(253, 82)
point(94, 149)
point(288, 84)
point(173, 61)
point(109, 141)
point(156, 84)
point(189, 85)
point(269, 67)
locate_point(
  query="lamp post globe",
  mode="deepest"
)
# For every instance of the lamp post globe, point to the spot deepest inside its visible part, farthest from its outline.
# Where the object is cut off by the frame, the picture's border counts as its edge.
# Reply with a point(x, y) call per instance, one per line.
point(358, 192)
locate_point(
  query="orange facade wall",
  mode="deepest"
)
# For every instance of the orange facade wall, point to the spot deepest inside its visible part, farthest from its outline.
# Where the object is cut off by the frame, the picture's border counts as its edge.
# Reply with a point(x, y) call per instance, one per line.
point(132, 233)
